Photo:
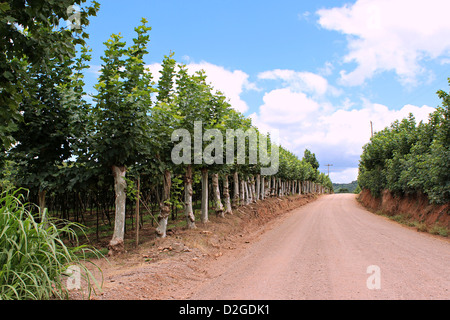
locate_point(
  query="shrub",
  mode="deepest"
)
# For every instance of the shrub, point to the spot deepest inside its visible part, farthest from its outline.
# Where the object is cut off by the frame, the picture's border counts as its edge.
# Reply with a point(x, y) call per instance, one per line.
point(34, 259)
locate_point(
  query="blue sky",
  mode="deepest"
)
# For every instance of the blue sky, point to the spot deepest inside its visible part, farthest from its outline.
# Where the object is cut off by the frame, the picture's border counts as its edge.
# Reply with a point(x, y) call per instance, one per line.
point(318, 71)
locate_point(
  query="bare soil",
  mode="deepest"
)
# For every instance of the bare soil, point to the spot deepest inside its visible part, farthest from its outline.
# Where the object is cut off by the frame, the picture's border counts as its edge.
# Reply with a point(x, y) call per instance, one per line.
point(284, 249)
point(165, 269)
point(414, 207)
point(327, 250)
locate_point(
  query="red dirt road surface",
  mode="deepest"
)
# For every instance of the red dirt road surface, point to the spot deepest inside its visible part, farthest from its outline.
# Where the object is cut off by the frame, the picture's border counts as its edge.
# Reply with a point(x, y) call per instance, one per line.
point(331, 248)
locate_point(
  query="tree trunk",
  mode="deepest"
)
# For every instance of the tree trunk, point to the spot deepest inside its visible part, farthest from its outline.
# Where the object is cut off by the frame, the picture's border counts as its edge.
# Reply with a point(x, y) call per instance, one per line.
point(262, 189)
point(138, 203)
point(252, 189)
point(42, 204)
point(43, 207)
point(226, 195)
point(235, 189)
point(164, 205)
point(189, 212)
point(205, 200)
point(258, 187)
point(216, 192)
point(248, 196)
point(116, 244)
point(242, 193)
point(273, 188)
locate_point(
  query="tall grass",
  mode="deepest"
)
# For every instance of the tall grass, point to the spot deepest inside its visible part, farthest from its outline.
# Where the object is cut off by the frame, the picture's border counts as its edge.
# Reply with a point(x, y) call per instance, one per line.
point(33, 256)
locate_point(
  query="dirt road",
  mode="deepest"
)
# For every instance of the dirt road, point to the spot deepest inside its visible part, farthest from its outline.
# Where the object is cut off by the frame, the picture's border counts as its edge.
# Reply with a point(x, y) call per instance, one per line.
point(324, 250)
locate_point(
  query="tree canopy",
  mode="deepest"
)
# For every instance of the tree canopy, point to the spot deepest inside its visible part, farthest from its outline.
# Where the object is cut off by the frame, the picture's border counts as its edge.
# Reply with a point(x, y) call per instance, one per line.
point(408, 157)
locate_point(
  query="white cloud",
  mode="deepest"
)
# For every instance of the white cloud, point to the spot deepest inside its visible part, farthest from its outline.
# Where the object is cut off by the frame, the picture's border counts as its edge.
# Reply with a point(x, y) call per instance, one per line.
point(327, 69)
point(155, 69)
point(304, 15)
point(332, 132)
point(231, 83)
point(346, 175)
point(283, 106)
point(95, 69)
point(386, 35)
point(301, 81)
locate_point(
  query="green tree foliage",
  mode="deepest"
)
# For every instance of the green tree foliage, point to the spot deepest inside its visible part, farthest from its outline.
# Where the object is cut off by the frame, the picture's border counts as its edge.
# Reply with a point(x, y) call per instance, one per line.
point(51, 126)
point(67, 147)
point(123, 102)
point(121, 115)
point(311, 159)
point(409, 158)
point(30, 34)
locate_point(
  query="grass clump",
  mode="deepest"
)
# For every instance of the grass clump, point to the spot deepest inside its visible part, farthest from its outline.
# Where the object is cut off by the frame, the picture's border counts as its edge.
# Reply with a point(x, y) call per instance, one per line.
point(439, 230)
point(35, 262)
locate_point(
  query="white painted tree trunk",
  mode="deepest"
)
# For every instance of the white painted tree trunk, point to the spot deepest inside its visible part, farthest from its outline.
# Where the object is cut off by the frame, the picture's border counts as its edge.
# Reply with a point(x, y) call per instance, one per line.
point(42, 204)
point(43, 207)
point(189, 212)
point(262, 192)
point(226, 195)
point(258, 187)
point(242, 193)
point(205, 200)
point(116, 244)
point(164, 206)
point(216, 192)
point(248, 192)
point(235, 190)
point(252, 189)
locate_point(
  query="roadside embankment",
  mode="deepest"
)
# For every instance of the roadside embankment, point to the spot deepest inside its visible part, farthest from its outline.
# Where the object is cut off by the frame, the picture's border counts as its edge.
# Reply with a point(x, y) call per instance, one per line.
point(411, 209)
point(171, 267)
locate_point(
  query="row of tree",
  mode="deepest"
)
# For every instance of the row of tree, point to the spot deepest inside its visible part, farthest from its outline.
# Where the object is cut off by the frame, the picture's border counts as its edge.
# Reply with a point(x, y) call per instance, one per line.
point(57, 143)
point(408, 157)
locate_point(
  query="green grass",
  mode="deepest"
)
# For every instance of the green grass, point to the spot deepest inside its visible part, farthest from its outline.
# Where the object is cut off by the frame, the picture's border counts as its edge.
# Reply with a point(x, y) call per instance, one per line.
point(439, 230)
point(34, 257)
point(436, 229)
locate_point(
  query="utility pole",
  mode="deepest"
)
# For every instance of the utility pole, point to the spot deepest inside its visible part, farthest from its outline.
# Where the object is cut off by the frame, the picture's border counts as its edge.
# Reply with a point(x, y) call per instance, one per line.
point(371, 129)
point(328, 165)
